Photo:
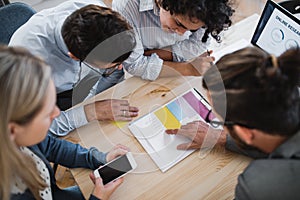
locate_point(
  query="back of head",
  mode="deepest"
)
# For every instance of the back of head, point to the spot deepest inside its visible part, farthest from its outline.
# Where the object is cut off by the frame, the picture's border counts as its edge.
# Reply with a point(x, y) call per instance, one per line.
point(214, 13)
point(89, 26)
point(261, 90)
point(24, 80)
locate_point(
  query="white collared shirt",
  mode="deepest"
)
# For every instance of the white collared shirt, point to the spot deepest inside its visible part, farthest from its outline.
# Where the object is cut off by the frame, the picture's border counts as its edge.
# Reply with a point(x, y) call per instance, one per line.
point(143, 15)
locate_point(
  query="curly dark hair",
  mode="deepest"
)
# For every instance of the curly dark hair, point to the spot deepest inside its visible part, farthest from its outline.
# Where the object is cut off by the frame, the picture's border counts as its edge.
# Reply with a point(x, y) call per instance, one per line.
point(214, 13)
point(91, 25)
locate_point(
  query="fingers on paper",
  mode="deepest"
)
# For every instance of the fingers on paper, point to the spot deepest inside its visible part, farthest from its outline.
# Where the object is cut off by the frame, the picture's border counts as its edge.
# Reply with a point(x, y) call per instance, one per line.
point(188, 146)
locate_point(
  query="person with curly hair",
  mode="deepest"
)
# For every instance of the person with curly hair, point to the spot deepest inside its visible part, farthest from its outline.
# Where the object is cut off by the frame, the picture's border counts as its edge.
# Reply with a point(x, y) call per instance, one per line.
point(173, 35)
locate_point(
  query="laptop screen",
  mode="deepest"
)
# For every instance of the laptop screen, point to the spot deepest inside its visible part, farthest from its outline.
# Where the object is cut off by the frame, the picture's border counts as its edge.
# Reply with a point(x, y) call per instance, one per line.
point(277, 30)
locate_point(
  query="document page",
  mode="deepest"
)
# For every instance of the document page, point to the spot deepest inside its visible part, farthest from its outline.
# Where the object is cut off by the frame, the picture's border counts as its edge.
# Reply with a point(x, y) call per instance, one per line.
point(150, 129)
point(242, 43)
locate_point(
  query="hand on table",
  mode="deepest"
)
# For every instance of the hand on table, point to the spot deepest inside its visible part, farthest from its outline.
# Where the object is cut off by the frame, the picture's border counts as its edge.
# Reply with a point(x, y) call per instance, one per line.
point(110, 110)
point(196, 131)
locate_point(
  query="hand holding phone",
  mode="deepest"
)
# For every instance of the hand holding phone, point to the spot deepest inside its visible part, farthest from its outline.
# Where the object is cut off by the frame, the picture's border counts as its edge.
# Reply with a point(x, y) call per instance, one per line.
point(104, 192)
point(116, 168)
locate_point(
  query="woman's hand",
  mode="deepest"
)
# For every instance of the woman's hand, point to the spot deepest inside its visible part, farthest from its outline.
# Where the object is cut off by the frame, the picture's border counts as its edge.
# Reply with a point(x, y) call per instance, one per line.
point(117, 151)
point(101, 191)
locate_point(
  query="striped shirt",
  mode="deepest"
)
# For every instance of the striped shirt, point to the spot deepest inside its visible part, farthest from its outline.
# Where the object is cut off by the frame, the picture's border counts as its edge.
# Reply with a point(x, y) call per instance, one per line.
point(143, 16)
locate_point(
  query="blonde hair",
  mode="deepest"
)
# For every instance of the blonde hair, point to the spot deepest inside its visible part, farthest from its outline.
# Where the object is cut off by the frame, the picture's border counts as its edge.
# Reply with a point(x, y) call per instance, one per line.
point(24, 80)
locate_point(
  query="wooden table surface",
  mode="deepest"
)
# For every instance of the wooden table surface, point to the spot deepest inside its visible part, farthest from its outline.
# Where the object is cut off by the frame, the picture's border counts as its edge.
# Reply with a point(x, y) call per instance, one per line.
point(199, 176)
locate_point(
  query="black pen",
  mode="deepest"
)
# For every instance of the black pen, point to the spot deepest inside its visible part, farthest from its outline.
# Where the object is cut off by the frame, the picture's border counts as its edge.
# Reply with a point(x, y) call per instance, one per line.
point(208, 52)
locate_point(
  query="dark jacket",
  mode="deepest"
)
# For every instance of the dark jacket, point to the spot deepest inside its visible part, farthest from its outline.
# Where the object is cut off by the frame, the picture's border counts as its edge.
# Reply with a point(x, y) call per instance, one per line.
point(274, 177)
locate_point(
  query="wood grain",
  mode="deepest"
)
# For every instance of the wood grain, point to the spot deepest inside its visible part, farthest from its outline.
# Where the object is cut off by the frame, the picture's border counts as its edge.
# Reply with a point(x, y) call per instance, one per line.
point(212, 176)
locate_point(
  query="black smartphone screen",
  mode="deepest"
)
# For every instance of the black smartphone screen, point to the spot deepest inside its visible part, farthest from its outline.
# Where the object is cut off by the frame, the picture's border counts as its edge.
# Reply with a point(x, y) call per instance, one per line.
point(115, 169)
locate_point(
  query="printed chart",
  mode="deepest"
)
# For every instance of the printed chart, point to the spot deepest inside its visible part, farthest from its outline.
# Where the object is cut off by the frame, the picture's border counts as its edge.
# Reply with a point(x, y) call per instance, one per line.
point(150, 129)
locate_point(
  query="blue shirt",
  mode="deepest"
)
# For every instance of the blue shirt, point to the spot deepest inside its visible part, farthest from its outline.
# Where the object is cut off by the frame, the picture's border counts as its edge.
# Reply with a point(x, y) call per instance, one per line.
point(41, 35)
point(143, 15)
point(66, 154)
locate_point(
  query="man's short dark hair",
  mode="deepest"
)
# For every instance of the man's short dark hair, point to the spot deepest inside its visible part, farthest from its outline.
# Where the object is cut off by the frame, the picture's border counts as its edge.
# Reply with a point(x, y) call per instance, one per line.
point(91, 25)
point(214, 13)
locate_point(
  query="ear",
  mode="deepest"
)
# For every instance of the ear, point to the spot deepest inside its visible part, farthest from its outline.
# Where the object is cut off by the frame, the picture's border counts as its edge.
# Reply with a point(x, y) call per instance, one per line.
point(245, 134)
point(72, 56)
point(13, 129)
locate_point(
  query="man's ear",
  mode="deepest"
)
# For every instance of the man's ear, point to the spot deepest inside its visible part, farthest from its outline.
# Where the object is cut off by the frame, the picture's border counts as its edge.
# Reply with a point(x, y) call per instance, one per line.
point(245, 134)
point(72, 56)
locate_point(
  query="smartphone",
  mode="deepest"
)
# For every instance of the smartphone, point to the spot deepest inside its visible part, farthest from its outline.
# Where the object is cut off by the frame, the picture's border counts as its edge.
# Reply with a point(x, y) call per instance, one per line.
point(116, 168)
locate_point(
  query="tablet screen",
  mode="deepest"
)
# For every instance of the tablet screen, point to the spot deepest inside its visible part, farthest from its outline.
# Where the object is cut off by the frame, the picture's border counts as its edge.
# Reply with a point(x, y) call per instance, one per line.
point(277, 30)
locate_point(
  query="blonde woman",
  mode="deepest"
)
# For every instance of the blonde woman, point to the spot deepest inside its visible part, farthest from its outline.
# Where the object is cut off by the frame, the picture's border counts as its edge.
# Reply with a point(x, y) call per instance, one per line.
point(27, 109)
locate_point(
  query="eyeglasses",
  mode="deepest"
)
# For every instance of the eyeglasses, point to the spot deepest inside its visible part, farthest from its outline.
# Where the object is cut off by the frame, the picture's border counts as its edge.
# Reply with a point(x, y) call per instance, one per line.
point(216, 124)
point(107, 72)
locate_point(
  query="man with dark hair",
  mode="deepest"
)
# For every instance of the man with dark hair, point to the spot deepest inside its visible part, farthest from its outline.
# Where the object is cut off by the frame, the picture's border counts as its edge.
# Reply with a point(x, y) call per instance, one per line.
point(74, 34)
point(256, 97)
point(172, 33)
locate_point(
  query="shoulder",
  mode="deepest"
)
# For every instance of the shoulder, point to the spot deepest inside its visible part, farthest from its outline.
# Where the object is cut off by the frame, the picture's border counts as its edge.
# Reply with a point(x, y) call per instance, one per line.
point(269, 179)
point(126, 5)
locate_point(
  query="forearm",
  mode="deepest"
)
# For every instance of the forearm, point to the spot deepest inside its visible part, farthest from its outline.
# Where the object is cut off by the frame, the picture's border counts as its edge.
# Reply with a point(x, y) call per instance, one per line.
point(190, 48)
point(164, 54)
point(178, 69)
point(68, 121)
point(71, 155)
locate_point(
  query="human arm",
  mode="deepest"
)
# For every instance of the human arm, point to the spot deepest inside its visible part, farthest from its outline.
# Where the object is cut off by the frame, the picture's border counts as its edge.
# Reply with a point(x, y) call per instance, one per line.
point(104, 110)
point(164, 53)
point(190, 48)
point(73, 155)
point(152, 67)
point(110, 110)
point(68, 121)
point(151, 64)
point(101, 191)
point(200, 134)
point(195, 67)
point(199, 131)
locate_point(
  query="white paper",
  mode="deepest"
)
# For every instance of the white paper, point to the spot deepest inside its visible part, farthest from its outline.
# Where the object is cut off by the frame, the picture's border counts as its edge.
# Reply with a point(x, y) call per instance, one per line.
point(161, 147)
point(242, 43)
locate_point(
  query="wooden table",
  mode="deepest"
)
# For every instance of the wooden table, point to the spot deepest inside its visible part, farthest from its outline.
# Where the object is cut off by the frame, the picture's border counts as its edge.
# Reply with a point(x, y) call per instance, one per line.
point(213, 176)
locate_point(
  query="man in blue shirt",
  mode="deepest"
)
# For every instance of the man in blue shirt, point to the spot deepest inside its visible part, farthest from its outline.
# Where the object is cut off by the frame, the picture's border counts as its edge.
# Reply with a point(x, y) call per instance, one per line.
point(64, 36)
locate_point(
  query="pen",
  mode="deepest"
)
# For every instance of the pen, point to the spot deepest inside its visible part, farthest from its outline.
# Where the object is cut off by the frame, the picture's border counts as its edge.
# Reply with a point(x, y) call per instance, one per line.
point(208, 53)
